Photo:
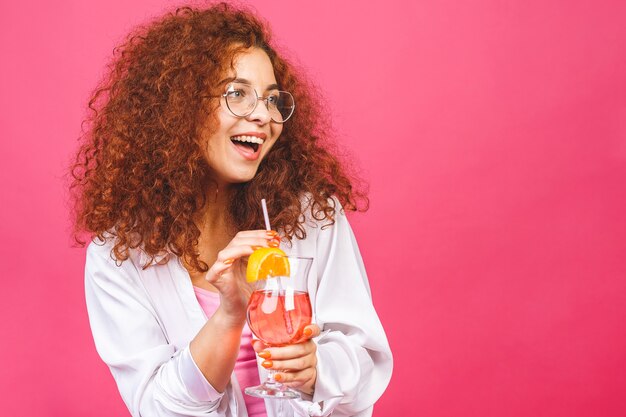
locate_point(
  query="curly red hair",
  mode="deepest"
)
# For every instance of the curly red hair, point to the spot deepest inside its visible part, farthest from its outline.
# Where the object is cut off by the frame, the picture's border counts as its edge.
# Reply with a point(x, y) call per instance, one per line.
point(140, 174)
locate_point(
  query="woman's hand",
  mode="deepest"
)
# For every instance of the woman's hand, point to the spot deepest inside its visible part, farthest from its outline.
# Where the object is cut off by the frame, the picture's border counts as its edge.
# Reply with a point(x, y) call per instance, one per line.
point(296, 364)
point(228, 273)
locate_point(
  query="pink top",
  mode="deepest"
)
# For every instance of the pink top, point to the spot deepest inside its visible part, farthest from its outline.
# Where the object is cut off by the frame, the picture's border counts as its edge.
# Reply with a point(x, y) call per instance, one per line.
point(246, 365)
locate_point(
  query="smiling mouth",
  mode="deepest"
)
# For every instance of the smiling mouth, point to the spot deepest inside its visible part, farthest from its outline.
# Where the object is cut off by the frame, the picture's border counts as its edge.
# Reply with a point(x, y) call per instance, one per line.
point(247, 142)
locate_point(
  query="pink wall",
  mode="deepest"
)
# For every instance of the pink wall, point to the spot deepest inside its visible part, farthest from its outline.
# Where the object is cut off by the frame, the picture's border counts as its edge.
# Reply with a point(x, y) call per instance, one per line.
point(493, 134)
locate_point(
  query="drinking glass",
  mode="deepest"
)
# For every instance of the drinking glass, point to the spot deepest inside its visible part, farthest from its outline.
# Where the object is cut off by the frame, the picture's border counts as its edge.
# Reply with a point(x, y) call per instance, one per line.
point(278, 311)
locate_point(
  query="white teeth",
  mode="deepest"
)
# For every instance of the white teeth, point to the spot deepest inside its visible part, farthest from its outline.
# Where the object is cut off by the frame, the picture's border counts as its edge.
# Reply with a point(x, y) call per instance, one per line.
point(251, 139)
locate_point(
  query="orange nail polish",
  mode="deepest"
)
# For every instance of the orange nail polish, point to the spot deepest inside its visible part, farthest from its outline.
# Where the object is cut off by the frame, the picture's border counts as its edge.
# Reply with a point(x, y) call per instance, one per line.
point(271, 233)
point(308, 332)
point(278, 377)
point(267, 364)
point(273, 244)
point(228, 261)
point(265, 354)
point(256, 247)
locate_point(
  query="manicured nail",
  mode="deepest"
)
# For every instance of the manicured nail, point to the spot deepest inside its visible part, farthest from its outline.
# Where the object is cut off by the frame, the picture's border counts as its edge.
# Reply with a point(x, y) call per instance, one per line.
point(267, 364)
point(265, 354)
point(256, 247)
point(278, 377)
point(271, 233)
point(308, 332)
point(273, 244)
point(228, 261)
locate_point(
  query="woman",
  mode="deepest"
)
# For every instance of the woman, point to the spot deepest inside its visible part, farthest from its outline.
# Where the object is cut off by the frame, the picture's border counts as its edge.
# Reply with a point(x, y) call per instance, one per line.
point(194, 124)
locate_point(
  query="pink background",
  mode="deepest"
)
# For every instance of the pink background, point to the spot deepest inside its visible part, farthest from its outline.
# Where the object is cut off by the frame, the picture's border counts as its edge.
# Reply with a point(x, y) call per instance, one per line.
point(493, 134)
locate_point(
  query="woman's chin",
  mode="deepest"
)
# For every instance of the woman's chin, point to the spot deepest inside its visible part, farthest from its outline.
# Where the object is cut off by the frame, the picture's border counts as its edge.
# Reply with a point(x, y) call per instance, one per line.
point(239, 178)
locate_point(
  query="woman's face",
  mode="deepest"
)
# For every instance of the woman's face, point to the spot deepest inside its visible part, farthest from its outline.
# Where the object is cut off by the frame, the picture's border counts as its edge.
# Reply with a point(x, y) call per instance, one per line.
point(231, 151)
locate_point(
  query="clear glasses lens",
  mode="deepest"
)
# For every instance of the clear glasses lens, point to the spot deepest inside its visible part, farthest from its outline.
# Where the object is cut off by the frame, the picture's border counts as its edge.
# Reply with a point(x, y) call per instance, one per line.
point(242, 99)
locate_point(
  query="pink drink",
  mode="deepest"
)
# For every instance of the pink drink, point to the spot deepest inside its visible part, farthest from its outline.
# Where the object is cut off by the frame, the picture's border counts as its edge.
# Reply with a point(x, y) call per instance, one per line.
point(278, 319)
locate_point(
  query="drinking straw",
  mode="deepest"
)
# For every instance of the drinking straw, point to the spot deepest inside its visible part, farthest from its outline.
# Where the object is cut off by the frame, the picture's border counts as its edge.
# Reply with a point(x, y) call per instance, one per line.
point(289, 296)
point(265, 215)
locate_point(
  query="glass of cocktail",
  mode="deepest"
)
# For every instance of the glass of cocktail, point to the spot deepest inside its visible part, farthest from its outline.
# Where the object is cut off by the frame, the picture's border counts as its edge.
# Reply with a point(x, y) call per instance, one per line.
point(278, 311)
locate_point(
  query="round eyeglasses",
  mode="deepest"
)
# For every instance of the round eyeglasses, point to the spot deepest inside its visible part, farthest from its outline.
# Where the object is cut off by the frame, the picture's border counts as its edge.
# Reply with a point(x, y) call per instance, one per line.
point(242, 99)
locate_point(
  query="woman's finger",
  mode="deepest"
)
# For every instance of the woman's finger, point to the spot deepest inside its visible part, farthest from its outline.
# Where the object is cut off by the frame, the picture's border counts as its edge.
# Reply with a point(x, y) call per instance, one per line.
point(253, 241)
point(258, 346)
point(296, 379)
point(290, 351)
point(291, 365)
point(256, 233)
point(231, 253)
point(239, 240)
point(225, 259)
point(217, 269)
point(311, 331)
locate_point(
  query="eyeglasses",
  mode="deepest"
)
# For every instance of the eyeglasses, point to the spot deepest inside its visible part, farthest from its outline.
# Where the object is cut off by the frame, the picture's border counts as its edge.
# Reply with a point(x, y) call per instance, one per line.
point(242, 99)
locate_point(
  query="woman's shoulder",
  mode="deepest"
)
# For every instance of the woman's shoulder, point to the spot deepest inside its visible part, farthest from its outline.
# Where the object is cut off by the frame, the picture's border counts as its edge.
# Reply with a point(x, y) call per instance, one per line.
point(319, 224)
point(105, 247)
point(100, 247)
point(102, 251)
point(314, 214)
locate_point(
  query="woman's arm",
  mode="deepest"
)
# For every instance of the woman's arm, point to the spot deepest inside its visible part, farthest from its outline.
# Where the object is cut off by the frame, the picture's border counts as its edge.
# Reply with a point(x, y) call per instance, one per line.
point(154, 379)
point(354, 361)
point(216, 346)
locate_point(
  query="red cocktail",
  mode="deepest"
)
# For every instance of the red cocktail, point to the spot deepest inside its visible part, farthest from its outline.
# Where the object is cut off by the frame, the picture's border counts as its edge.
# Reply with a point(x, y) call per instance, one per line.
point(278, 318)
point(278, 311)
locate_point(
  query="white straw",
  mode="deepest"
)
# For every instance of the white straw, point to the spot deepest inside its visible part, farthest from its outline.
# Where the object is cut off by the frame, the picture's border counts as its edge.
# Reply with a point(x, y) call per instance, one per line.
point(265, 215)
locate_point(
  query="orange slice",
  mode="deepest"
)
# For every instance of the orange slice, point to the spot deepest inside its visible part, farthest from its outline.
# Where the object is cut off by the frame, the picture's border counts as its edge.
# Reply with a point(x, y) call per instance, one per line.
point(266, 262)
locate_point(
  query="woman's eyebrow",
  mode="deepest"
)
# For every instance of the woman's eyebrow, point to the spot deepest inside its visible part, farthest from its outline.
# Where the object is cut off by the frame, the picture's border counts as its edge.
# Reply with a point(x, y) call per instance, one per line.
point(244, 81)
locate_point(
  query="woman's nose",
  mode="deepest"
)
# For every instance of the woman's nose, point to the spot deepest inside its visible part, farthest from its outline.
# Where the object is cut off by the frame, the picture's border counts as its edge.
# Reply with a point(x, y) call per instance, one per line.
point(261, 113)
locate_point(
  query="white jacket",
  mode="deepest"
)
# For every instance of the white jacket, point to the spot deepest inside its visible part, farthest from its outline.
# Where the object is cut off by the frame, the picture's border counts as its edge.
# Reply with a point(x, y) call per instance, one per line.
point(143, 320)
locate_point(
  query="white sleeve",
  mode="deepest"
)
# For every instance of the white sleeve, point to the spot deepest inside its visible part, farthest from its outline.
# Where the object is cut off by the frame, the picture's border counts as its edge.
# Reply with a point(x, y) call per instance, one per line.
point(354, 359)
point(153, 378)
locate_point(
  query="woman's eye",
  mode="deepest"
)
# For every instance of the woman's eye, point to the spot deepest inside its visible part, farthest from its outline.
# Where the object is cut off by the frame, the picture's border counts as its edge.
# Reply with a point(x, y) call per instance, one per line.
point(236, 94)
point(272, 99)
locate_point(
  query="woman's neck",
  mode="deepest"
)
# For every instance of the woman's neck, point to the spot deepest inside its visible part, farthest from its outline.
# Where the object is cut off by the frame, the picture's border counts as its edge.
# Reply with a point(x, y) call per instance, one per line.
point(214, 218)
point(215, 232)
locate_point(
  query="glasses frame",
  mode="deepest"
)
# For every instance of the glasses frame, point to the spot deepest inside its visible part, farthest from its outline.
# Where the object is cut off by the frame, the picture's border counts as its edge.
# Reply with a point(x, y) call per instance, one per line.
point(256, 103)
